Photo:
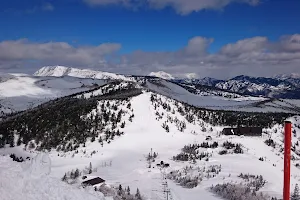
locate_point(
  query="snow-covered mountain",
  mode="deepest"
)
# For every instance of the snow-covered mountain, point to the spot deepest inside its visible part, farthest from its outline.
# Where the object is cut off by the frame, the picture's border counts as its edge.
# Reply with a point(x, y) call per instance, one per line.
point(20, 91)
point(59, 71)
point(114, 131)
point(162, 74)
point(283, 86)
point(204, 81)
point(108, 128)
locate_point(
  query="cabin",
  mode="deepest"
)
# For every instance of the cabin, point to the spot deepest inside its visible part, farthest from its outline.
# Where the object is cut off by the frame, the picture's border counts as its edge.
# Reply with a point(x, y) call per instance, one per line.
point(92, 182)
point(246, 131)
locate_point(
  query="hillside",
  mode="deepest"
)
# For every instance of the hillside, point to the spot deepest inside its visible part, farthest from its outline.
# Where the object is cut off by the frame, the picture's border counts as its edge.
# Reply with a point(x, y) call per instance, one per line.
point(281, 86)
point(21, 91)
point(217, 99)
point(149, 134)
point(152, 121)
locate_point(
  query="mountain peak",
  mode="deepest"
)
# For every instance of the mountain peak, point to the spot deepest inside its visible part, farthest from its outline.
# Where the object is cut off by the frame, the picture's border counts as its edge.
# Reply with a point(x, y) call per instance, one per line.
point(162, 74)
point(59, 71)
point(52, 71)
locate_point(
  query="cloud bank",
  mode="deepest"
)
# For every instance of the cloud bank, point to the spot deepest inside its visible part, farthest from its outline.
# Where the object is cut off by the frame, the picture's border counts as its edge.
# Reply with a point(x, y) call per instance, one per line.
point(255, 56)
point(182, 7)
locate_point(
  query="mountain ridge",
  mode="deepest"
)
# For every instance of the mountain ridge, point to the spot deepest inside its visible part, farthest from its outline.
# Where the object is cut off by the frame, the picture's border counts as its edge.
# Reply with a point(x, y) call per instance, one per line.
point(59, 71)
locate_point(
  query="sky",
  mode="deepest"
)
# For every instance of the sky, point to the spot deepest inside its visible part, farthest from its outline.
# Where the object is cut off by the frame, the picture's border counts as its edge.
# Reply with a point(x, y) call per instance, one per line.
point(186, 38)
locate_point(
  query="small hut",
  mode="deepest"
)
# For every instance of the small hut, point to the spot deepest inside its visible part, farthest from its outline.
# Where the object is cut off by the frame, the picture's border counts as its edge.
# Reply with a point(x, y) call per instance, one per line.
point(92, 182)
point(246, 131)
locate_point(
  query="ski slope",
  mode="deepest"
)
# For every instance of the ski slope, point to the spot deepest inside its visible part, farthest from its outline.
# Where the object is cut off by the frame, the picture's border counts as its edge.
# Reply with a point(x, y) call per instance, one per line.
point(127, 155)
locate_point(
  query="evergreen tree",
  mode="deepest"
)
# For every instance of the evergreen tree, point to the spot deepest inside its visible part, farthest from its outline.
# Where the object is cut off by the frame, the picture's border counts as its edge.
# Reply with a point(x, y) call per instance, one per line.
point(296, 195)
point(128, 190)
point(76, 173)
point(138, 194)
point(167, 129)
point(90, 168)
point(149, 157)
point(101, 141)
point(72, 175)
point(154, 155)
point(120, 190)
point(64, 178)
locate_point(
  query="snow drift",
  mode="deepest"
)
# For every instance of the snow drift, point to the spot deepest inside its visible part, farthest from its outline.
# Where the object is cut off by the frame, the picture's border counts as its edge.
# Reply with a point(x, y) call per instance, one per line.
point(18, 184)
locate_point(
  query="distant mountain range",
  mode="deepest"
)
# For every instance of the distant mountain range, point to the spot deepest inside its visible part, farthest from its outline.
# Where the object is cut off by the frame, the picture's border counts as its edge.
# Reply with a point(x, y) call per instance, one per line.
point(284, 86)
point(281, 86)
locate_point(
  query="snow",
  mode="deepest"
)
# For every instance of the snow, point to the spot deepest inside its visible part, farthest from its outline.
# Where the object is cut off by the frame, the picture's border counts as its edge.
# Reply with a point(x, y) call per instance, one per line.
point(129, 166)
point(18, 184)
point(162, 74)
point(215, 102)
point(40, 165)
point(40, 177)
point(23, 91)
point(59, 71)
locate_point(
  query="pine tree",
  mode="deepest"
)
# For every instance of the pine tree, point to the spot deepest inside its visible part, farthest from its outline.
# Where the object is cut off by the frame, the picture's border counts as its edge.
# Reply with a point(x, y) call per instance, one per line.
point(76, 173)
point(296, 195)
point(90, 168)
point(167, 129)
point(120, 190)
point(72, 175)
point(100, 140)
point(128, 190)
point(64, 178)
point(138, 194)
point(154, 155)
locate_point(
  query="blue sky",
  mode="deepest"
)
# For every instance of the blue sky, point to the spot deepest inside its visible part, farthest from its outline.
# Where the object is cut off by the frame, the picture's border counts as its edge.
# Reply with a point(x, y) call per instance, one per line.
point(162, 26)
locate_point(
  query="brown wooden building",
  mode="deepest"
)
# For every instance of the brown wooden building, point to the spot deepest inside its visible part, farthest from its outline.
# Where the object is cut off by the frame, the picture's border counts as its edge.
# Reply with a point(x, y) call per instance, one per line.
point(246, 131)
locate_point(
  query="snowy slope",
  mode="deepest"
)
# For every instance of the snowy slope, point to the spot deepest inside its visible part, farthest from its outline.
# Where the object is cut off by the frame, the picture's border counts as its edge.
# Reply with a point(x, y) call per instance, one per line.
point(81, 73)
point(23, 91)
point(162, 74)
point(18, 182)
point(127, 155)
point(281, 86)
point(212, 101)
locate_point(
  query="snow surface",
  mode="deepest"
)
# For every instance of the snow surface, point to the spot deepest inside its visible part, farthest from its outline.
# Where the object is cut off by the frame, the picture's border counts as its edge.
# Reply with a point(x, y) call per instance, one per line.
point(23, 91)
point(129, 166)
point(59, 71)
point(247, 104)
point(17, 182)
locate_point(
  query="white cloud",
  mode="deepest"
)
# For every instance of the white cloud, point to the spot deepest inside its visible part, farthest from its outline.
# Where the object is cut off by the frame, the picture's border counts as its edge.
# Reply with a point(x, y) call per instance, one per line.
point(47, 7)
point(43, 7)
point(255, 56)
point(256, 44)
point(24, 51)
point(197, 46)
point(187, 6)
point(181, 6)
point(104, 2)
